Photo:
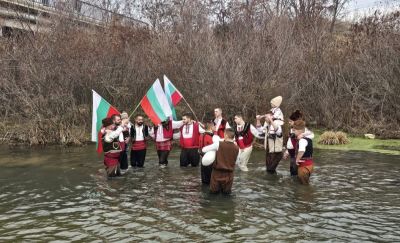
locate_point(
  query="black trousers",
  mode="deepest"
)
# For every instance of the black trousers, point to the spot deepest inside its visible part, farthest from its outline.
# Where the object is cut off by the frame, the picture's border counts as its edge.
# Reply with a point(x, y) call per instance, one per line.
point(272, 161)
point(123, 160)
point(190, 156)
point(206, 174)
point(293, 166)
point(163, 157)
point(138, 157)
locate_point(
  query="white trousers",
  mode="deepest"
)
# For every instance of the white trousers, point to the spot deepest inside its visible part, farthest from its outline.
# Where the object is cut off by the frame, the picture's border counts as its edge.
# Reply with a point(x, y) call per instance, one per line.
point(243, 158)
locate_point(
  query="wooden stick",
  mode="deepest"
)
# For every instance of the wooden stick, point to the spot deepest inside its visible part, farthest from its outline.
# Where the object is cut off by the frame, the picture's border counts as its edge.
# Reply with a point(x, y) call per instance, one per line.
point(134, 110)
point(190, 108)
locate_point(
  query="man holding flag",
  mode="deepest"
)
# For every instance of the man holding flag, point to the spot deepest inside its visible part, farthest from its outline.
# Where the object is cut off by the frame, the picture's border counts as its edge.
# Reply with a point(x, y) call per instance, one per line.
point(157, 107)
point(189, 141)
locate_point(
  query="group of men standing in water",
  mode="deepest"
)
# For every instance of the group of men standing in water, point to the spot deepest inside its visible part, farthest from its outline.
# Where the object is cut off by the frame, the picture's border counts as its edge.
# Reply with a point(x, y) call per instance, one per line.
point(232, 144)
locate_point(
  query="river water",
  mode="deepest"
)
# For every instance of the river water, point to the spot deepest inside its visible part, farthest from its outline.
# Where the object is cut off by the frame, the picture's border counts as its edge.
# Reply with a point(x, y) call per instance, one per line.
point(60, 195)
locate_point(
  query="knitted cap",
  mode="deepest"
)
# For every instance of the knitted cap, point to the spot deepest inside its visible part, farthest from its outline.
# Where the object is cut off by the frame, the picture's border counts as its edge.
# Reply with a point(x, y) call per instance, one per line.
point(277, 101)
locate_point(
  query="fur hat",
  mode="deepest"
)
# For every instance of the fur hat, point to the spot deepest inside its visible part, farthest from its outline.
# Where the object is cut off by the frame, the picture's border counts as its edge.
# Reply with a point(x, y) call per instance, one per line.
point(124, 115)
point(107, 122)
point(299, 125)
point(297, 115)
point(277, 101)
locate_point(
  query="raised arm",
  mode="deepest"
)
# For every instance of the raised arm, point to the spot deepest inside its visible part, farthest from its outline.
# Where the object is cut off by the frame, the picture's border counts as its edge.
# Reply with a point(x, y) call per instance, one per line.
point(255, 132)
point(109, 137)
point(177, 124)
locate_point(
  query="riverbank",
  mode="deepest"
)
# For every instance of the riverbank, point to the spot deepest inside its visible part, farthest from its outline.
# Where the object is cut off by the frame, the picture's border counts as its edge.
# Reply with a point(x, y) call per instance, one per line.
point(385, 146)
point(357, 143)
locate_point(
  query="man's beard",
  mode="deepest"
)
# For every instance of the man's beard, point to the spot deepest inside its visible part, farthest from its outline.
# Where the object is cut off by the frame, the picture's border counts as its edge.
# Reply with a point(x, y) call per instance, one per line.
point(139, 123)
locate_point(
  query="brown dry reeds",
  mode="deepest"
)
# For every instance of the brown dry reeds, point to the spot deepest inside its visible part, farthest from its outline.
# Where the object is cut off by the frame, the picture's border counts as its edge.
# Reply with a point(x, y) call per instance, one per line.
point(345, 78)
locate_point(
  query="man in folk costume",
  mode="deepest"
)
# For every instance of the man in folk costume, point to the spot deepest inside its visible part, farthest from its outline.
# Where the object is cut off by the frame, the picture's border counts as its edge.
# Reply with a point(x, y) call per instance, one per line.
point(163, 134)
point(304, 153)
point(292, 141)
point(220, 123)
point(206, 139)
point(224, 164)
point(124, 154)
point(273, 141)
point(244, 136)
point(118, 122)
point(111, 147)
point(189, 141)
point(139, 135)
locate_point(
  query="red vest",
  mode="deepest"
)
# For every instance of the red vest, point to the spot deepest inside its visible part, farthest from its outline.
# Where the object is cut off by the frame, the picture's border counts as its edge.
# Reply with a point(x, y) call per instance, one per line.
point(168, 132)
point(205, 139)
point(221, 129)
point(192, 142)
point(246, 134)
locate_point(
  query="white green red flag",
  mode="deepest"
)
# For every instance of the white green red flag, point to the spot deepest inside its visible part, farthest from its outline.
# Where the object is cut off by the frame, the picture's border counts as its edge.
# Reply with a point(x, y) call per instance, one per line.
point(101, 110)
point(155, 104)
point(173, 95)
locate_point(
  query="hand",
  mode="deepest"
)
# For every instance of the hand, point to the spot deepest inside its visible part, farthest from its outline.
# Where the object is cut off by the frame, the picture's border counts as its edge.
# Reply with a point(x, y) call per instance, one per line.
point(258, 117)
point(125, 122)
point(285, 155)
point(127, 140)
point(298, 162)
point(300, 136)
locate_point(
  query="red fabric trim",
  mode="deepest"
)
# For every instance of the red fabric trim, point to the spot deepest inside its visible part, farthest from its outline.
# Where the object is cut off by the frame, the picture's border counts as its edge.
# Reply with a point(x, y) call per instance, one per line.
point(306, 162)
point(247, 141)
point(192, 142)
point(164, 146)
point(111, 159)
point(139, 145)
point(204, 140)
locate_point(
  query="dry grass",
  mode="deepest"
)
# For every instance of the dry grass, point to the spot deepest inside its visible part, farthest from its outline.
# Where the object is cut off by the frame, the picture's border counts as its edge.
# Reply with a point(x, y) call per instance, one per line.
point(333, 138)
point(342, 137)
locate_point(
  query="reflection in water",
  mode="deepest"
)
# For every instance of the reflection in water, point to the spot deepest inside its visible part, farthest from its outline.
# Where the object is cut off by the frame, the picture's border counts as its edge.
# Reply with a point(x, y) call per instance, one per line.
point(51, 194)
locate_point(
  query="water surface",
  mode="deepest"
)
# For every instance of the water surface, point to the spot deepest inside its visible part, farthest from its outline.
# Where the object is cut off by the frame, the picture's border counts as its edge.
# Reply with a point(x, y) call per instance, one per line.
point(61, 194)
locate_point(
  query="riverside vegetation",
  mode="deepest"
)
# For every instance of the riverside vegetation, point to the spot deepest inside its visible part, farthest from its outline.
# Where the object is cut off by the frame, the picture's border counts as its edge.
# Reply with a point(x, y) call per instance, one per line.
point(343, 76)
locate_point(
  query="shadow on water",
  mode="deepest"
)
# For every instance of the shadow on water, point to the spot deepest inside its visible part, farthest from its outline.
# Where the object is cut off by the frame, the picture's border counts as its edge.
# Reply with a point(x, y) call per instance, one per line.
point(53, 194)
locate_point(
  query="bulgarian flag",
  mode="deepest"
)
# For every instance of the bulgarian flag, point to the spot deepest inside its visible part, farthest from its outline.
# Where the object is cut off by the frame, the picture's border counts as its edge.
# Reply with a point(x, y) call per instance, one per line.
point(155, 104)
point(101, 110)
point(173, 95)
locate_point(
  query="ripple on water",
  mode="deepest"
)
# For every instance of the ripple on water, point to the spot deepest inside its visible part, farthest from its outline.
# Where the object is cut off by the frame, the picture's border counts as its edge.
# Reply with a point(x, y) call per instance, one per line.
point(358, 203)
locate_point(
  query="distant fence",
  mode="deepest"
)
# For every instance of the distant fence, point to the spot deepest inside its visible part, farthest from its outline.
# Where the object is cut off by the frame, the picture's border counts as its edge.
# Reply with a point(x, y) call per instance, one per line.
point(85, 10)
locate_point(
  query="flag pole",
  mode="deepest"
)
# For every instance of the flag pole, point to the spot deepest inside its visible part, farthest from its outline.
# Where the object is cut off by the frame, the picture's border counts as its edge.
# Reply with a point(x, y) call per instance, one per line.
point(190, 108)
point(134, 110)
point(136, 107)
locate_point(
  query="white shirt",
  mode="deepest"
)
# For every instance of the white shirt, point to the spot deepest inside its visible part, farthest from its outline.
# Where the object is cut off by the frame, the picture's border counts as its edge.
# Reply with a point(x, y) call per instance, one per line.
point(111, 135)
point(277, 113)
point(302, 145)
point(270, 129)
point(308, 134)
point(217, 122)
point(253, 130)
point(187, 130)
point(139, 136)
point(160, 132)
